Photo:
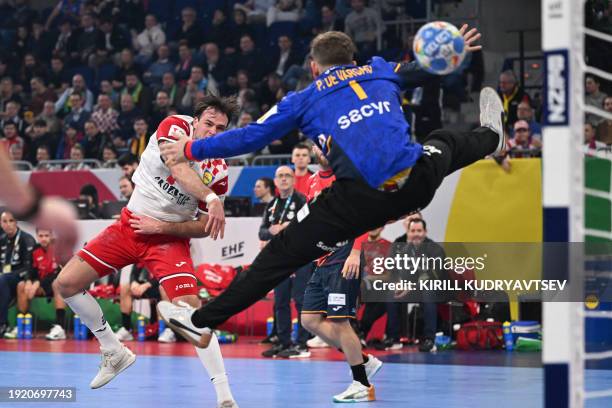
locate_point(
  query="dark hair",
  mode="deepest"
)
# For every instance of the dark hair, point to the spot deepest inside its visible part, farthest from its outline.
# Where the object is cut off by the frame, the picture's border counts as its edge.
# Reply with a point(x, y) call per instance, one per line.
point(127, 158)
point(332, 48)
point(418, 220)
point(594, 78)
point(301, 146)
point(46, 147)
point(137, 118)
point(9, 123)
point(92, 191)
point(131, 72)
point(78, 146)
point(39, 123)
point(268, 183)
point(111, 147)
point(228, 106)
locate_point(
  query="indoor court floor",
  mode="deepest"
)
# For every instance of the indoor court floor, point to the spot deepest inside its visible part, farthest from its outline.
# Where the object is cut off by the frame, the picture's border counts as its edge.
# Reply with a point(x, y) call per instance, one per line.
point(174, 377)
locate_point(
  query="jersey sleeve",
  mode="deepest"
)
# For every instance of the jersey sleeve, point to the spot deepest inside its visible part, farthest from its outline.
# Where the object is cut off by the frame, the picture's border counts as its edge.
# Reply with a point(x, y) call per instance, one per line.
point(411, 75)
point(358, 243)
point(218, 172)
point(171, 128)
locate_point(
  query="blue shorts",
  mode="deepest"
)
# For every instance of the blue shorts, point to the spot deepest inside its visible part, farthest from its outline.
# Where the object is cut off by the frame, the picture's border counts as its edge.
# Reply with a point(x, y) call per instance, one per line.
point(328, 293)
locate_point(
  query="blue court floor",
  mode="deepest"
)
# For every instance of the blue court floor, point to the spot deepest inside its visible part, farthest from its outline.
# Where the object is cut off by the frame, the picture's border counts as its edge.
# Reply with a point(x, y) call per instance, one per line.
point(157, 381)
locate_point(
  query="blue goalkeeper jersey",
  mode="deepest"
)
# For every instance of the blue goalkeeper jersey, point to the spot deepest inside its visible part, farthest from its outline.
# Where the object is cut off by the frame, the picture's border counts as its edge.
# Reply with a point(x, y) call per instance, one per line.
point(352, 112)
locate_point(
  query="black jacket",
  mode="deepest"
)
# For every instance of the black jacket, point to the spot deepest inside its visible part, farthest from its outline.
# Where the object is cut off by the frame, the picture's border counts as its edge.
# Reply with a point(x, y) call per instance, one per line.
point(16, 253)
point(278, 211)
point(428, 248)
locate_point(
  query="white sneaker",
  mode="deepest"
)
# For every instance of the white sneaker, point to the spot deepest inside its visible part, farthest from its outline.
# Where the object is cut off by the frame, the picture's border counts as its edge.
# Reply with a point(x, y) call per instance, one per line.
point(317, 342)
point(492, 115)
point(178, 317)
point(56, 333)
point(373, 366)
point(228, 404)
point(112, 364)
point(12, 334)
point(167, 336)
point(124, 334)
point(356, 392)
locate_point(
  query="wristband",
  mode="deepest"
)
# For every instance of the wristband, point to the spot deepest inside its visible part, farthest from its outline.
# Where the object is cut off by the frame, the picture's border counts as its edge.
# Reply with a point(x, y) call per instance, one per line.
point(30, 213)
point(187, 151)
point(210, 198)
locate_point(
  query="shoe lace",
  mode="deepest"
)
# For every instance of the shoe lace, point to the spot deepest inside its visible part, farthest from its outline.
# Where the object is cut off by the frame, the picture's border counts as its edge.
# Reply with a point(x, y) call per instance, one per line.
point(106, 359)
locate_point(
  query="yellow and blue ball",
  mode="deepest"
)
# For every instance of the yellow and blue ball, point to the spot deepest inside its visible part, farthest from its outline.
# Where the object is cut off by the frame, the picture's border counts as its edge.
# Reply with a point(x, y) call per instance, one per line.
point(439, 47)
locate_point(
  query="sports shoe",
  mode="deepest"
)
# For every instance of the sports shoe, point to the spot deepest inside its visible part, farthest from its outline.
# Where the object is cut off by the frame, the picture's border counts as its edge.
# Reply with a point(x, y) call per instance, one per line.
point(56, 333)
point(373, 366)
point(124, 334)
point(167, 336)
point(356, 392)
point(492, 115)
point(178, 317)
point(272, 339)
point(295, 351)
point(428, 345)
point(228, 404)
point(317, 342)
point(11, 334)
point(275, 350)
point(112, 364)
point(389, 344)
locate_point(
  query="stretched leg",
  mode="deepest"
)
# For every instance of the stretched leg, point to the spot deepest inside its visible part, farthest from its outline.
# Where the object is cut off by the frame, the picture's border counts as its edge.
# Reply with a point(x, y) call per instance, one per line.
point(23, 303)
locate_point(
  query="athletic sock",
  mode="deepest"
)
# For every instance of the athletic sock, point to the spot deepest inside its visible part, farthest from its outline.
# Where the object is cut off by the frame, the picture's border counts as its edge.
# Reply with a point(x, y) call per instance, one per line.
point(60, 317)
point(212, 360)
point(91, 316)
point(364, 355)
point(126, 321)
point(359, 374)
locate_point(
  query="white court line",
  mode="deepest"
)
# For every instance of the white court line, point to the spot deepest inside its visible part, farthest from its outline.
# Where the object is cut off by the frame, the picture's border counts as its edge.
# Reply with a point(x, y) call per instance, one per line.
point(602, 355)
point(601, 314)
point(598, 193)
point(597, 394)
point(598, 34)
point(598, 233)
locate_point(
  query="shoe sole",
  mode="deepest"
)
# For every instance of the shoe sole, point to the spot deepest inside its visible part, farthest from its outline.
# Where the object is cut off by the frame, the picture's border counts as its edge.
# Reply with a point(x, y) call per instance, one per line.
point(301, 356)
point(202, 342)
point(491, 95)
point(132, 358)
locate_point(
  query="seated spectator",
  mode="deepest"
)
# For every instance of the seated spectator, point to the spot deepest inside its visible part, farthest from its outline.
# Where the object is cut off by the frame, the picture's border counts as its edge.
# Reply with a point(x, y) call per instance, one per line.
point(175, 91)
point(525, 112)
point(249, 59)
point(40, 94)
point(255, 10)
point(104, 116)
point(604, 129)
point(189, 31)
point(182, 70)
point(330, 21)
point(522, 144)
point(128, 163)
point(127, 64)
point(284, 10)
point(78, 115)
point(244, 119)
point(50, 118)
point(59, 78)
point(140, 137)
point(109, 156)
point(39, 282)
point(157, 69)
point(149, 40)
point(238, 28)
point(197, 83)
point(593, 97)
point(94, 140)
point(43, 153)
point(89, 193)
point(77, 154)
point(363, 25)
point(11, 115)
point(161, 109)
point(141, 94)
point(7, 93)
point(285, 56)
point(141, 286)
point(87, 38)
point(511, 94)
point(112, 40)
point(247, 101)
point(65, 44)
point(31, 67)
point(127, 116)
point(264, 190)
point(16, 152)
point(39, 136)
point(63, 105)
point(219, 30)
point(11, 137)
point(215, 66)
point(268, 92)
point(16, 263)
point(126, 187)
point(70, 138)
point(590, 141)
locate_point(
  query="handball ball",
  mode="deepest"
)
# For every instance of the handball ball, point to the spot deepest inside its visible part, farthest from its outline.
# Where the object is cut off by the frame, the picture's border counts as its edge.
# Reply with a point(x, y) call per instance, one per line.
point(439, 47)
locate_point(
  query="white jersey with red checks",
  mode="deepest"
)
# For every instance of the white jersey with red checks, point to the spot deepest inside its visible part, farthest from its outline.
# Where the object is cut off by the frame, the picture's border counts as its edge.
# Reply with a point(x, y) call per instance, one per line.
point(157, 194)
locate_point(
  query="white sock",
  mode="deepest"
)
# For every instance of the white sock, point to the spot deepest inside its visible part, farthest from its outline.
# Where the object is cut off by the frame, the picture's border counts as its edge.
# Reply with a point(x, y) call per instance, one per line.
point(212, 360)
point(84, 305)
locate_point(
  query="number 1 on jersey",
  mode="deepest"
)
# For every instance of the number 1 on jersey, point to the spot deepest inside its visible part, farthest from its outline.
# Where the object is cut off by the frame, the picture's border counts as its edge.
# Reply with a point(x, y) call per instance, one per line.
point(358, 90)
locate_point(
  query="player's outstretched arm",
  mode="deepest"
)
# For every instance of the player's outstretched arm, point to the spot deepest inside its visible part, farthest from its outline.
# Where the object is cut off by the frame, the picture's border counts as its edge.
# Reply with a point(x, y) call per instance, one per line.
point(273, 125)
point(412, 75)
point(189, 180)
point(188, 229)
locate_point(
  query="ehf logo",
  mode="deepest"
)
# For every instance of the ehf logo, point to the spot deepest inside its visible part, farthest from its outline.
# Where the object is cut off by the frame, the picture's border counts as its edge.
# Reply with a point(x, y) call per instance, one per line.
point(556, 105)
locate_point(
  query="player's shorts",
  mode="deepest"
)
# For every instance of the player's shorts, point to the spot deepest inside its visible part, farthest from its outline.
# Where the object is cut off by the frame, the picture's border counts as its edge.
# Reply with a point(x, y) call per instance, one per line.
point(167, 258)
point(328, 293)
point(46, 284)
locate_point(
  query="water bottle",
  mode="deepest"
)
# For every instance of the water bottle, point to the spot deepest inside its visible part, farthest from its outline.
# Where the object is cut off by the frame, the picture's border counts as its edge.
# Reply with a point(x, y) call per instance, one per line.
point(294, 331)
point(84, 332)
point(20, 326)
point(27, 326)
point(77, 327)
point(141, 328)
point(508, 340)
point(161, 326)
point(269, 325)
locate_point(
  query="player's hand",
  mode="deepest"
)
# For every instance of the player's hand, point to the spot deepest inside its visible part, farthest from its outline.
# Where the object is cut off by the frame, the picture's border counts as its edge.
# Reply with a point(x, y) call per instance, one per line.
point(470, 37)
point(59, 216)
point(215, 227)
point(174, 153)
point(146, 225)
point(350, 270)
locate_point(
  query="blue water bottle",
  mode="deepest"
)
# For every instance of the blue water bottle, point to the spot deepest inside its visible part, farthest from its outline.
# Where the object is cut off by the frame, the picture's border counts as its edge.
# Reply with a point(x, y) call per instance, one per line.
point(20, 327)
point(161, 327)
point(84, 332)
point(508, 340)
point(269, 325)
point(294, 331)
point(141, 328)
point(77, 327)
point(27, 326)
